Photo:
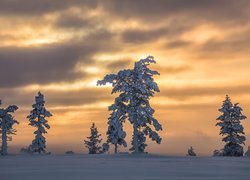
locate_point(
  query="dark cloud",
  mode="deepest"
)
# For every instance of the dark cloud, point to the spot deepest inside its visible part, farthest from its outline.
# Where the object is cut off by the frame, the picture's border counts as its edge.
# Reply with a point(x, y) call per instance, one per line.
point(192, 9)
point(142, 36)
point(40, 7)
point(85, 96)
point(54, 98)
point(46, 64)
point(223, 11)
point(220, 12)
point(72, 21)
point(101, 36)
point(118, 65)
point(51, 62)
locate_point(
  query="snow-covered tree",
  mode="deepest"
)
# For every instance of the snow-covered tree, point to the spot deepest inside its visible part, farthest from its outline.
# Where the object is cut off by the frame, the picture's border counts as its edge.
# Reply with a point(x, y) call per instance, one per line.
point(231, 128)
point(135, 87)
point(6, 126)
point(191, 152)
point(93, 142)
point(37, 119)
point(116, 134)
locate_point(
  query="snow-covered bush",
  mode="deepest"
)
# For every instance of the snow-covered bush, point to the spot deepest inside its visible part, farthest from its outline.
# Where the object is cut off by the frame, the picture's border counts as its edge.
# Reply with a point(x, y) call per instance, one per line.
point(105, 147)
point(6, 126)
point(37, 119)
point(135, 87)
point(93, 142)
point(218, 152)
point(231, 128)
point(248, 152)
point(69, 153)
point(191, 152)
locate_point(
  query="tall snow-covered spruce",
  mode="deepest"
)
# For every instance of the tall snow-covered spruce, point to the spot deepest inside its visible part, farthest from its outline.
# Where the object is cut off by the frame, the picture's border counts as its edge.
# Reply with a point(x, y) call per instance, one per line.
point(135, 87)
point(93, 142)
point(37, 119)
point(231, 128)
point(6, 126)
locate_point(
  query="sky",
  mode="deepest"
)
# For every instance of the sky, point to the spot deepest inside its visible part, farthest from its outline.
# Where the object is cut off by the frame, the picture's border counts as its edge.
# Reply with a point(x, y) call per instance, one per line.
point(62, 48)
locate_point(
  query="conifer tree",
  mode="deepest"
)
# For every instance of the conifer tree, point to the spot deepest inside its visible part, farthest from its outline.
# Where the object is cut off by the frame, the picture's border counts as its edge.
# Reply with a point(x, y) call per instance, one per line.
point(135, 87)
point(93, 142)
point(37, 119)
point(115, 134)
point(6, 126)
point(231, 128)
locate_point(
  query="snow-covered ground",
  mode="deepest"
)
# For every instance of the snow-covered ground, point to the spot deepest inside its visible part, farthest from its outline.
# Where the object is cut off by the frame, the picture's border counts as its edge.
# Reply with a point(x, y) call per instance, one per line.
point(122, 167)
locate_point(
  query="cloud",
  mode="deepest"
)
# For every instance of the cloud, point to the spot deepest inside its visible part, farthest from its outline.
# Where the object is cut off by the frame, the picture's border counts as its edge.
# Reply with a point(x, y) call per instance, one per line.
point(172, 69)
point(56, 98)
point(72, 21)
point(223, 11)
point(41, 65)
point(186, 92)
point(227, 46)
point(50, 62)
point(178, 44)
point(41, 7)
point(117, 65)
point(92, 95)
point(232, 47)
point(141, 36)
point(86, 96)
point(171, 31)
point(164, 9)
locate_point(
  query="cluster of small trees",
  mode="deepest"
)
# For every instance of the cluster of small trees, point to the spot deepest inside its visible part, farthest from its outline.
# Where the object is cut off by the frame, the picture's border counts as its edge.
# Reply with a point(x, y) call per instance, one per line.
point(36, 119)
point(134, 87)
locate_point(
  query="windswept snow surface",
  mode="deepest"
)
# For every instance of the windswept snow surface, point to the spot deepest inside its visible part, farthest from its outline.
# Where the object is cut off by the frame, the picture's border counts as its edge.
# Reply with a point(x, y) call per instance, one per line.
point(122, 167)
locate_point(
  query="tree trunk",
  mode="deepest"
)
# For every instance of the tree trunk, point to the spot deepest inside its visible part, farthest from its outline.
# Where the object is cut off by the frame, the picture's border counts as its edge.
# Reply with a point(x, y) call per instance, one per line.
point(39, 134)
point(4, 139)
point(115, 148)
point(135, 138)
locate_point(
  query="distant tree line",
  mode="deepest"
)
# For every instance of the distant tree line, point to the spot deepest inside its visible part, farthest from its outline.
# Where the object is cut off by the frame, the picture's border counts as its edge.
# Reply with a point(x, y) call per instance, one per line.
point(134, 87)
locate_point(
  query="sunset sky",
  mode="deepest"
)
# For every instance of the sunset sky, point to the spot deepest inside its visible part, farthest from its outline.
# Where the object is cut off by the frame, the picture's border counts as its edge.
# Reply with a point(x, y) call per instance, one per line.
point(62, 47)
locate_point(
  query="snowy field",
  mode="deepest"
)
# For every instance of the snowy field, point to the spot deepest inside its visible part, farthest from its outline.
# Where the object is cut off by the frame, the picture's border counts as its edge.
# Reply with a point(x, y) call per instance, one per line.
point(122, 167)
